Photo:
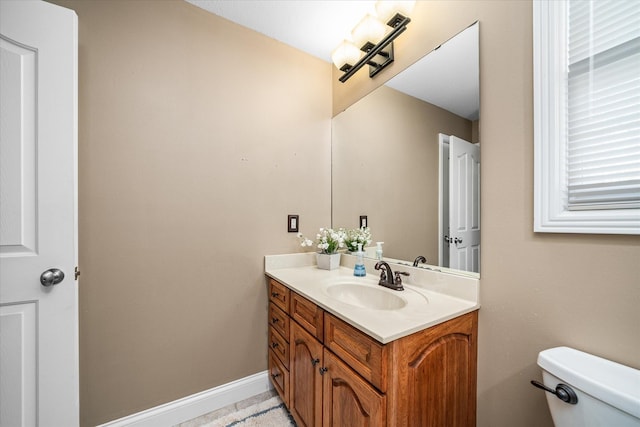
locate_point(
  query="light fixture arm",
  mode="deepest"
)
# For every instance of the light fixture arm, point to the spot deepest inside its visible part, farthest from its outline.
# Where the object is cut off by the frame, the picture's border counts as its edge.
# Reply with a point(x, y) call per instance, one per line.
point(378, 49)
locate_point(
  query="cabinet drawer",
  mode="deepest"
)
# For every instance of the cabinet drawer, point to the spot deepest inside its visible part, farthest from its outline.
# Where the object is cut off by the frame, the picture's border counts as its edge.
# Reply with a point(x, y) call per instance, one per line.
point(362, 353)
point(279, 377)
point(279, 295)
point(279, 320)
point(308, 315)
point(279, 346)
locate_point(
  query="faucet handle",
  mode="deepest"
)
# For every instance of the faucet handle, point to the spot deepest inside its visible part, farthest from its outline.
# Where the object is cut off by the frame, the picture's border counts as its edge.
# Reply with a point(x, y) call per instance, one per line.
point(382, 266)
point(398, 279)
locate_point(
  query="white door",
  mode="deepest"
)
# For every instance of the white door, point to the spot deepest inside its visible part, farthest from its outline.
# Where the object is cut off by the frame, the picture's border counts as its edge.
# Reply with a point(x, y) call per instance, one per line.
point(38, 228)
point(443, 200)
point(464, 205)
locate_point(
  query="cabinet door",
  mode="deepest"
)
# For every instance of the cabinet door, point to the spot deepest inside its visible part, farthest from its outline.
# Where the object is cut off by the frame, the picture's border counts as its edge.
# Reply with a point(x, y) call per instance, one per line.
point(437, 376)
point(306, 359)
point(348, 399)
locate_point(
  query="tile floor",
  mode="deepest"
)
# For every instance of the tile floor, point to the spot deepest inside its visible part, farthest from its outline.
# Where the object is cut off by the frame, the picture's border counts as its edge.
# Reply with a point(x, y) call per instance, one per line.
point(203, 419)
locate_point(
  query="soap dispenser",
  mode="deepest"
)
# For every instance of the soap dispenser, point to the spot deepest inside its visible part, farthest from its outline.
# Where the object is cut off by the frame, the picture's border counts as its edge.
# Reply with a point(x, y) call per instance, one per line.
point(379, 251)
point(359, 269)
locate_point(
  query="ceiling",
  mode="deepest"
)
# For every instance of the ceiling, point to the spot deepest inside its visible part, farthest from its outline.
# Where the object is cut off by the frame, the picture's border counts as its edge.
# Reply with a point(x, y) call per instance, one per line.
point(312, 26)
point(318, 26)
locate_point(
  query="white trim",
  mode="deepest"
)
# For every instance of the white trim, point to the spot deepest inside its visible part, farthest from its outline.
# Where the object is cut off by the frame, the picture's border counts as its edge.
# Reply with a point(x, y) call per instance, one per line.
point(198, 404)
point(551, 213)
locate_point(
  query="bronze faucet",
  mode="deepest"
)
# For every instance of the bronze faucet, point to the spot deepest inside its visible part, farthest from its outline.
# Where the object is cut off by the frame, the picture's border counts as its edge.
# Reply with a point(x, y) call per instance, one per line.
point(387, 277)
point(419, 259)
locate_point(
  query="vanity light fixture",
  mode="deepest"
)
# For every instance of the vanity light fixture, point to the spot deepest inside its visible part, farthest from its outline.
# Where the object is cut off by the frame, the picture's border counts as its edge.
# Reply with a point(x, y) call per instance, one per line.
point(370, 37)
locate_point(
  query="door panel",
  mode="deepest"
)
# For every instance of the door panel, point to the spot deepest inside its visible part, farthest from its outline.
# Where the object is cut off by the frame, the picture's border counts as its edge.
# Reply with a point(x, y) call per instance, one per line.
point(38, 227)
point(18, 159)
point(18, 364)
point(464, 205)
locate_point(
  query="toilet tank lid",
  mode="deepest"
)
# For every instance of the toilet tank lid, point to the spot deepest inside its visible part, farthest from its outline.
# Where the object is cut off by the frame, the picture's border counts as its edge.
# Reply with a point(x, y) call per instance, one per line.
point(613, 383)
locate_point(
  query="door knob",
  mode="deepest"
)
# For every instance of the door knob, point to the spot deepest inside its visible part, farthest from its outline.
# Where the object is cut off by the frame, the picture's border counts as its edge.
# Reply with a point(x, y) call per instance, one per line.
point(51, 277)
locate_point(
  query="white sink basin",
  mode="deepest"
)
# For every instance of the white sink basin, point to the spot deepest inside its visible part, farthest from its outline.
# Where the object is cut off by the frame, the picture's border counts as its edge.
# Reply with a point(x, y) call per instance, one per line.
point(366, 296)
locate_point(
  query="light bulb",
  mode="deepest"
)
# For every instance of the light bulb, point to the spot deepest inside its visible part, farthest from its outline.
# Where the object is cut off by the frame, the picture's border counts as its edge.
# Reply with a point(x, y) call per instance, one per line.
point(345, 54)
point(370, 29)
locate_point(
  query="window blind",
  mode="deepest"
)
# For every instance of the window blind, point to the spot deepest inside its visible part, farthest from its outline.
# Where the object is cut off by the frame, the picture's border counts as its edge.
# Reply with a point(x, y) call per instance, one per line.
point(603, 105)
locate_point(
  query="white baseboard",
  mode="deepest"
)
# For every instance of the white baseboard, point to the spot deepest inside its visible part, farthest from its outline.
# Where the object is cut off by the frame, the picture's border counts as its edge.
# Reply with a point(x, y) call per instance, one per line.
point(198, 404)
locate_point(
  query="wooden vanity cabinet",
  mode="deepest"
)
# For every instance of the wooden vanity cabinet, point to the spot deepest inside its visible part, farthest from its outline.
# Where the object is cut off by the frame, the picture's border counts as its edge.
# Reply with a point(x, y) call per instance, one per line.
point(339, 376)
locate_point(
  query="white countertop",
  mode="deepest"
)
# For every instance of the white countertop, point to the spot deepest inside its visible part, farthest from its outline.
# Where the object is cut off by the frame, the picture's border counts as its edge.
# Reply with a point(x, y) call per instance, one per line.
point(430, 297)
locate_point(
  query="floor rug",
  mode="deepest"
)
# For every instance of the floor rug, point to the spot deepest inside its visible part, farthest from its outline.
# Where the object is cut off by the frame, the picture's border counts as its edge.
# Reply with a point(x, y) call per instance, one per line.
point(270, 413)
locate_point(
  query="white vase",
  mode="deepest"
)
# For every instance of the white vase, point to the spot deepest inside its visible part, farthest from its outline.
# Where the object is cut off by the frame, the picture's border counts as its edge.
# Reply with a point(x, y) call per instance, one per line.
point(328, 261)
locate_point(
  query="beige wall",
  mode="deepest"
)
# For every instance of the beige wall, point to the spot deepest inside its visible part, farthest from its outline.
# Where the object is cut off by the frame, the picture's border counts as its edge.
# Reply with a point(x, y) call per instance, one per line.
point(385, 165)
point(537, 290)
point(196, 138)
point(191, 157)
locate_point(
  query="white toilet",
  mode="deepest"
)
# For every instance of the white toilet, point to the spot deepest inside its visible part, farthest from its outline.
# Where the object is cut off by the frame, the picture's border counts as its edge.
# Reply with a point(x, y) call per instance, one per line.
point(608, 393)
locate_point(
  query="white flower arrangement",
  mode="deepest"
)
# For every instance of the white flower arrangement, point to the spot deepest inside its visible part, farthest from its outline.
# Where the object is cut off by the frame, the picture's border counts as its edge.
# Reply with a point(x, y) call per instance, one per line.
point(328, 241)
point(357, 235)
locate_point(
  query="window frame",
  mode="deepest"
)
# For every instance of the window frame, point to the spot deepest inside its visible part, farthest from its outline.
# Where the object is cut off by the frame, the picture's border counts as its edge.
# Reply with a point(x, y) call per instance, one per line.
point(551, 212)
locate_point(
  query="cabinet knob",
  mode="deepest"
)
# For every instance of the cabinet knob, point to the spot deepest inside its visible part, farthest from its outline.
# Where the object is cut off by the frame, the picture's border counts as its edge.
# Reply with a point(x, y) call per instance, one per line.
point(274, 294)
point(314, 362)
point(323, 370)
point(274, 344)
point(274, 376)
point(274, 320)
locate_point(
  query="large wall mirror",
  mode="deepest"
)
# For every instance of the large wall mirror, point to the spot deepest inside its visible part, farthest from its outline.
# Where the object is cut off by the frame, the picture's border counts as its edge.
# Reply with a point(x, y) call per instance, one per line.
point(407, 156)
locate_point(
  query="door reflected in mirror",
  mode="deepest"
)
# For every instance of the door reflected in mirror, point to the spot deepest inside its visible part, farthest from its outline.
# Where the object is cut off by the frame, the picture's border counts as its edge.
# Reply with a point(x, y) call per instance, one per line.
point(387, 160)
point(459, 203)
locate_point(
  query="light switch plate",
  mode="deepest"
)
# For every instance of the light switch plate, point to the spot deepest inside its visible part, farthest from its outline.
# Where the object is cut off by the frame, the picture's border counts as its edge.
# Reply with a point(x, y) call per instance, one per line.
point(364, 222)
point(293, 223)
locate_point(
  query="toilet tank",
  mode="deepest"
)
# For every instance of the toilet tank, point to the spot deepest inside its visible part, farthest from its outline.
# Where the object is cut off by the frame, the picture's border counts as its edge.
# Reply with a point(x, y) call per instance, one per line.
point(608, 392)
